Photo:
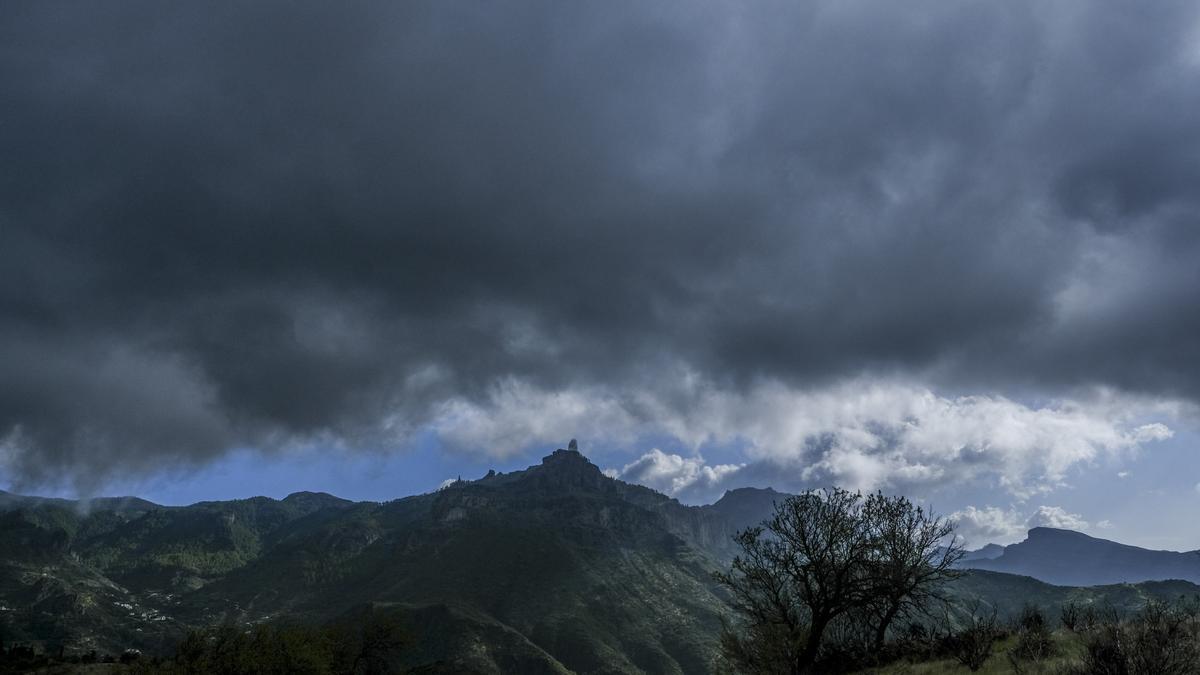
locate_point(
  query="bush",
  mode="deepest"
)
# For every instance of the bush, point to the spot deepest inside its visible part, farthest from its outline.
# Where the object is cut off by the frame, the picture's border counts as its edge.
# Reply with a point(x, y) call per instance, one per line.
point(756, 649)
point(1159, 640)
point(1035, 640)
point(972, 646)
point(917, 642)
point(1089, 620)
point(1069, 616)
point(367, 642)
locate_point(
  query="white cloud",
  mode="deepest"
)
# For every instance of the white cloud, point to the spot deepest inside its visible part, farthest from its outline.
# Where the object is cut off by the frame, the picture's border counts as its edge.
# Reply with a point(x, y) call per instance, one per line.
point(993, 525)
point(1057, 517)
point(1104, 525)
point(1123, 474)
point(517, 415)
point(1152, 432)
point(857, 434)
point(678, 476)
point(865, 435)
point(989, 525)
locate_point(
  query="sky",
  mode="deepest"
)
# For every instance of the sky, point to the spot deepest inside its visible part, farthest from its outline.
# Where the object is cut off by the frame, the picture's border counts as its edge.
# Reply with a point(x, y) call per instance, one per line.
point(944, 249)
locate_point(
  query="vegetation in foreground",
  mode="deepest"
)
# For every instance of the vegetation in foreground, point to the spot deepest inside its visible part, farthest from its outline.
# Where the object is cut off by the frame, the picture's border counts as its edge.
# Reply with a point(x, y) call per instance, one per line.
point(824, 582)
point(836, 583)
point(370, 642)
point(1161, 639)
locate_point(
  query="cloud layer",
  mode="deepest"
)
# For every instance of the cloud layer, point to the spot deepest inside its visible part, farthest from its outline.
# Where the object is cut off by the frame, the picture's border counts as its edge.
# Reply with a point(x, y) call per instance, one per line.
point(880, 435)
point(265, 224)
point(992, 525)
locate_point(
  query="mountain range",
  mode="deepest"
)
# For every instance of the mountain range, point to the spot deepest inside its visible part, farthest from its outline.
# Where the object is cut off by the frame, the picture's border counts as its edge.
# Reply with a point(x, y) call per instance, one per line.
point(1069, 558)
point(554, 569)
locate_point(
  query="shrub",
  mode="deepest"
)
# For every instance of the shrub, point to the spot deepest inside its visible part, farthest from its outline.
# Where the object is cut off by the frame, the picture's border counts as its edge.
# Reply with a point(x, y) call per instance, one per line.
point(972, 646)
point(369, 641)
point(1069, 616)
point(1035, 640)
point(917, 642)
point(1159, 640)
point(1162, 642)
point(1088, 619)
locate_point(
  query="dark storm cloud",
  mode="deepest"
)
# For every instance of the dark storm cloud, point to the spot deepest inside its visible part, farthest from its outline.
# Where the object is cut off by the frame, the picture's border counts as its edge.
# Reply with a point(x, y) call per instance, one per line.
point(254, 224)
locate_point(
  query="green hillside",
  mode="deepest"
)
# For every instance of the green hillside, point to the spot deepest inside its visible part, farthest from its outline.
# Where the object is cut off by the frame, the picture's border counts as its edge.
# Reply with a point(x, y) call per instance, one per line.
point(553, 569)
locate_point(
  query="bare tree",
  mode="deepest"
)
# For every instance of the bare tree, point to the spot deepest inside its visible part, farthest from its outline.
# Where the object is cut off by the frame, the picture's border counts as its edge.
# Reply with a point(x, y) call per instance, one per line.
point(808, 570)
point(913, 552)
point(830, 556)
point(972, 646)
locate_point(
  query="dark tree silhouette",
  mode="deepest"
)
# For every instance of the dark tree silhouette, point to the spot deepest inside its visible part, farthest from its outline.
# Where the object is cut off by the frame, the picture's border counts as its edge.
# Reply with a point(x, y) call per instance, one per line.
point(913, 552)
point(829, 556)
point(789, 585)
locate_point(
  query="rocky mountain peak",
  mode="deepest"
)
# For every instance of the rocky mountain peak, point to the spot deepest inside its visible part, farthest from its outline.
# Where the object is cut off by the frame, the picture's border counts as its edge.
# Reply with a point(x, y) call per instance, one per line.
point(1052, 533)
point(570, 468)
point(561, 456)
point(986, 552)
point(747, 506)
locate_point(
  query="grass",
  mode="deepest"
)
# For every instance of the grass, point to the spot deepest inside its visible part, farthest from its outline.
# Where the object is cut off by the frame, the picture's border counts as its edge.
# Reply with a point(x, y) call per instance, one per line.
point(1069, 649)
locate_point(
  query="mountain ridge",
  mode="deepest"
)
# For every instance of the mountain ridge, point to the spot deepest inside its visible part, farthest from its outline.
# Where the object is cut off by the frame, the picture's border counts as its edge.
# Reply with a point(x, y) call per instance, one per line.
point(601, 575)
point(1070, 558)
point(553, 568)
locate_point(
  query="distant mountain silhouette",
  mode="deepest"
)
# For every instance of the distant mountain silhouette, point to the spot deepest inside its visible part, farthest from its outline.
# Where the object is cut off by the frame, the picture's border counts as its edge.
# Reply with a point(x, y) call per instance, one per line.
point(744, 507)
point(988, 552)
point(1069, 558)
